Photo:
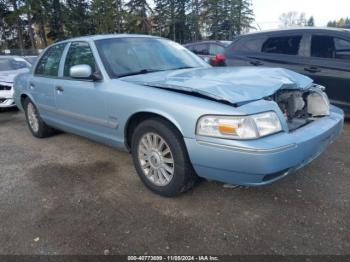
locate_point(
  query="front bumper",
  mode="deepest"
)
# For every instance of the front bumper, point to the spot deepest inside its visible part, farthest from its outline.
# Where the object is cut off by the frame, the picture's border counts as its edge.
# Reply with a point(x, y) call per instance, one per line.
point(6, 98)
point(8, 102)
point(265, 160)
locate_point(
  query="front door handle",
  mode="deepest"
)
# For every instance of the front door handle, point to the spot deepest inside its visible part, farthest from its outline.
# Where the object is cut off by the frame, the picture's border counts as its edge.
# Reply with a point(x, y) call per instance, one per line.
point(256, 63)
point(312, 69)
point(59, 89)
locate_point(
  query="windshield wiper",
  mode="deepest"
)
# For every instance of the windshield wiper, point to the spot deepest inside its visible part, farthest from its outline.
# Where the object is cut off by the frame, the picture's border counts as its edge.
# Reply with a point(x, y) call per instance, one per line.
point(182, 67)
point(146, 71)
point(140, 72)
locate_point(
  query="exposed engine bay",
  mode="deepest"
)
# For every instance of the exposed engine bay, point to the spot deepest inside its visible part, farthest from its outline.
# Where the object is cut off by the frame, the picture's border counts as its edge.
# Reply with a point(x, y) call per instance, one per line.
point(302, 107)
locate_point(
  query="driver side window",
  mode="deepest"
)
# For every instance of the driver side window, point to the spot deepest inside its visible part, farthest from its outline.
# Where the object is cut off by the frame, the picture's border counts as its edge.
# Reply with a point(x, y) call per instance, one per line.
point(79, 53)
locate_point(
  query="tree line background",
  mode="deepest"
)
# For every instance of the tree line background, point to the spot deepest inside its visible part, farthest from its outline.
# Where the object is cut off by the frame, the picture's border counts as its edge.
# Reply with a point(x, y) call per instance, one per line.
point(32, 24)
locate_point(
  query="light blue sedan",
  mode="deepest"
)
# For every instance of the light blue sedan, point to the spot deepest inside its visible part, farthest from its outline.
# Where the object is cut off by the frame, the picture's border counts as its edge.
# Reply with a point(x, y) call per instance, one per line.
point(180, 118)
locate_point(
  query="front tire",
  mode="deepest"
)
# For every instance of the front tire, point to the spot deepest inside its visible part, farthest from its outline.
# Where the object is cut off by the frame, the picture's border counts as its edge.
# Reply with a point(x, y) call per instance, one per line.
point(160, 158)
point(36, 125)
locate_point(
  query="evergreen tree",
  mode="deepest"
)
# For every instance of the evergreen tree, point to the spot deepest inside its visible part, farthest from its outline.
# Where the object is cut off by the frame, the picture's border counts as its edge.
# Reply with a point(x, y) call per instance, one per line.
point(195, 20)
point(311, 21)
point(54, 9)
point(138, 16)
point(244, 17)
point(77, 15)
point(161, 17)
point(109, 21)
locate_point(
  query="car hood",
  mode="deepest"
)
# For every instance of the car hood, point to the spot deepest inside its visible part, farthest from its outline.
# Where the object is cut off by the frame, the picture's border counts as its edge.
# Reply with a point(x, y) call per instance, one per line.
point(9, 76)
point(231, 84)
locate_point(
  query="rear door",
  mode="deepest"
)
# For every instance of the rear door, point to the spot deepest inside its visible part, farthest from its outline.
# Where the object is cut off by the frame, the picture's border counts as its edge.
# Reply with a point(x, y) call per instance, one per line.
point(329, 65)
point(42, 83)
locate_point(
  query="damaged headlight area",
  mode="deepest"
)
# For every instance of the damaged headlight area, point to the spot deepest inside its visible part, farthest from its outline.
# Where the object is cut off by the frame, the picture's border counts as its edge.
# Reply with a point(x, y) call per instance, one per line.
point(301, 107)
point(239, 127)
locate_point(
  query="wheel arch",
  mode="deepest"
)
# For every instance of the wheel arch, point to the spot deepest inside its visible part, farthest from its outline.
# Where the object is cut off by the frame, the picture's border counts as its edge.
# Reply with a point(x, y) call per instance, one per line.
point(23, 96)
point(140, 116)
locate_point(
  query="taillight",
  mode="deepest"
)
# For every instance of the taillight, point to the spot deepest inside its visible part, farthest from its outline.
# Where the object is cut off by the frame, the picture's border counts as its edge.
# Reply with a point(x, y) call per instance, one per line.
point(219, 60)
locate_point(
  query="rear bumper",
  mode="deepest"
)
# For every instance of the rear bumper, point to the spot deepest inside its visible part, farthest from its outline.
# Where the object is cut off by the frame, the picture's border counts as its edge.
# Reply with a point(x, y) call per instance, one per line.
point(263, 161)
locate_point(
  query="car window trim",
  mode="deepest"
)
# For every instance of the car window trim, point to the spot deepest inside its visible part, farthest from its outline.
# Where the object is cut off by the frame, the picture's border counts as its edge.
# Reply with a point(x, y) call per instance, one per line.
point(42, 55)
point(325, 58)
point(64, 56)
point(289, 34)
point(206, 45)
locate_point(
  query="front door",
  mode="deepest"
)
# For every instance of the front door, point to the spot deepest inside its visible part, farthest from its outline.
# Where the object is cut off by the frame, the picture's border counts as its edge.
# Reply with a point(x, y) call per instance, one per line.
point(80, 102)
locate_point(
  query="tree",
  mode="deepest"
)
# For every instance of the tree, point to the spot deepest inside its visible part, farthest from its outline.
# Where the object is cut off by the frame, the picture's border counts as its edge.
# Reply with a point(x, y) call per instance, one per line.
point(195, 20)
point(311, 21)
point(55, 20)
point(293, 19)
point(161, 17)
point(244, 17)
point(77, 15)
point(332, 24)
point(139, 11)
point(172, 19)
point(341, 23)
point(213, 10)
point(107, 16)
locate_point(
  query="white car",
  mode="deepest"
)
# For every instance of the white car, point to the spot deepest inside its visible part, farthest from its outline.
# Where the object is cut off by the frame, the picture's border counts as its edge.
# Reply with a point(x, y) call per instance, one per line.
point(10, 67)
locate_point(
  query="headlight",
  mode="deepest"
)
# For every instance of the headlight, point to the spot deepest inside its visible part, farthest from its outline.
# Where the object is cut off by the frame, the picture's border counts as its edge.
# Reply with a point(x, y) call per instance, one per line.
point(239, 127)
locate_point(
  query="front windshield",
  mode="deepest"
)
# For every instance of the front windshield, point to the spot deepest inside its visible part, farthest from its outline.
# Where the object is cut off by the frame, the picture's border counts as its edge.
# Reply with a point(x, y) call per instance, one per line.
point(133, 55)
point(8, 64)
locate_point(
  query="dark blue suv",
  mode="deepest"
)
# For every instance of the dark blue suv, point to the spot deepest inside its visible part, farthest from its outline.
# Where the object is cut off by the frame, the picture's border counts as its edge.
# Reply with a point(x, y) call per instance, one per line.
point(321, 54)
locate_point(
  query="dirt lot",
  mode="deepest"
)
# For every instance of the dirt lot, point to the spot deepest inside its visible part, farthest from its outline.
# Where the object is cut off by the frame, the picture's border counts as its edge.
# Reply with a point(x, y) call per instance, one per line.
point(69, 195)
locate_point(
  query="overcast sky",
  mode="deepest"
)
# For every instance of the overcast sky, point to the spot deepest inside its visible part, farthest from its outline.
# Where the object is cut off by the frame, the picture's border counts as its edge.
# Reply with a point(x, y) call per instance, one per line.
point(267, 12)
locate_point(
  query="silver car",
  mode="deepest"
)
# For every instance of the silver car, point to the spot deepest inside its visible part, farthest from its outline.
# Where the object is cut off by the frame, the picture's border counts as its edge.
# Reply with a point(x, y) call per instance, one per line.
point(10, 67)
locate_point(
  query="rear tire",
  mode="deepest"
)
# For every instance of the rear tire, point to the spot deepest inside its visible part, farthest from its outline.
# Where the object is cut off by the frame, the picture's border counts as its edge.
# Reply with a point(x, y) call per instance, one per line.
point(36, 125)
point(160, 158)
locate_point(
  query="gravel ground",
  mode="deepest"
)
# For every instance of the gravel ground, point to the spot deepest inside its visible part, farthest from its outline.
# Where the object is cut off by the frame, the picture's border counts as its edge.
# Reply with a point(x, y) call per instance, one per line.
point(69, 195)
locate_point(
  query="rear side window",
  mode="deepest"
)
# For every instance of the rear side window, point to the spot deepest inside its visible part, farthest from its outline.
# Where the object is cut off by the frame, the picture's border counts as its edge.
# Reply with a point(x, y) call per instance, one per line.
point(79, 53)
point(330, 47)
point(50, 61)
point(250, 44)
point(201, 49)
point(342, 49)
point(287, 45)
point(215, 49)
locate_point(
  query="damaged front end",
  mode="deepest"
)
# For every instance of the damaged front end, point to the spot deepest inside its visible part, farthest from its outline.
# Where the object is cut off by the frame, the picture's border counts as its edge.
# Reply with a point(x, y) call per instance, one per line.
point(301, 107)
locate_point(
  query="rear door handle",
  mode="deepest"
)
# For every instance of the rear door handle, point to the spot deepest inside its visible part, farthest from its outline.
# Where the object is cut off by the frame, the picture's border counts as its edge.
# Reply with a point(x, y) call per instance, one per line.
point(59, 89)
point(312, 69)
point(256, 63)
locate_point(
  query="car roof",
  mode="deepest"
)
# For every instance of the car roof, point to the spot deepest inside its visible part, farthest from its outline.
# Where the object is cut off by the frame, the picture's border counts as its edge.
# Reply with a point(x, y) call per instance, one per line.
point(298, 30)
point(105, 36)
point(222, 42)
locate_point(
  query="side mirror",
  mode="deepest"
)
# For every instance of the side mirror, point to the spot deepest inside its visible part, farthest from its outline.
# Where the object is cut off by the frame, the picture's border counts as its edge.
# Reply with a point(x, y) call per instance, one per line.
point(80, 71)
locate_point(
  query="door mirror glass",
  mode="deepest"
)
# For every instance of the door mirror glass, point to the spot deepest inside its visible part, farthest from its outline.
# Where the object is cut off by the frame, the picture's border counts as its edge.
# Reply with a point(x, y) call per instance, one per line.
point(80, 71)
